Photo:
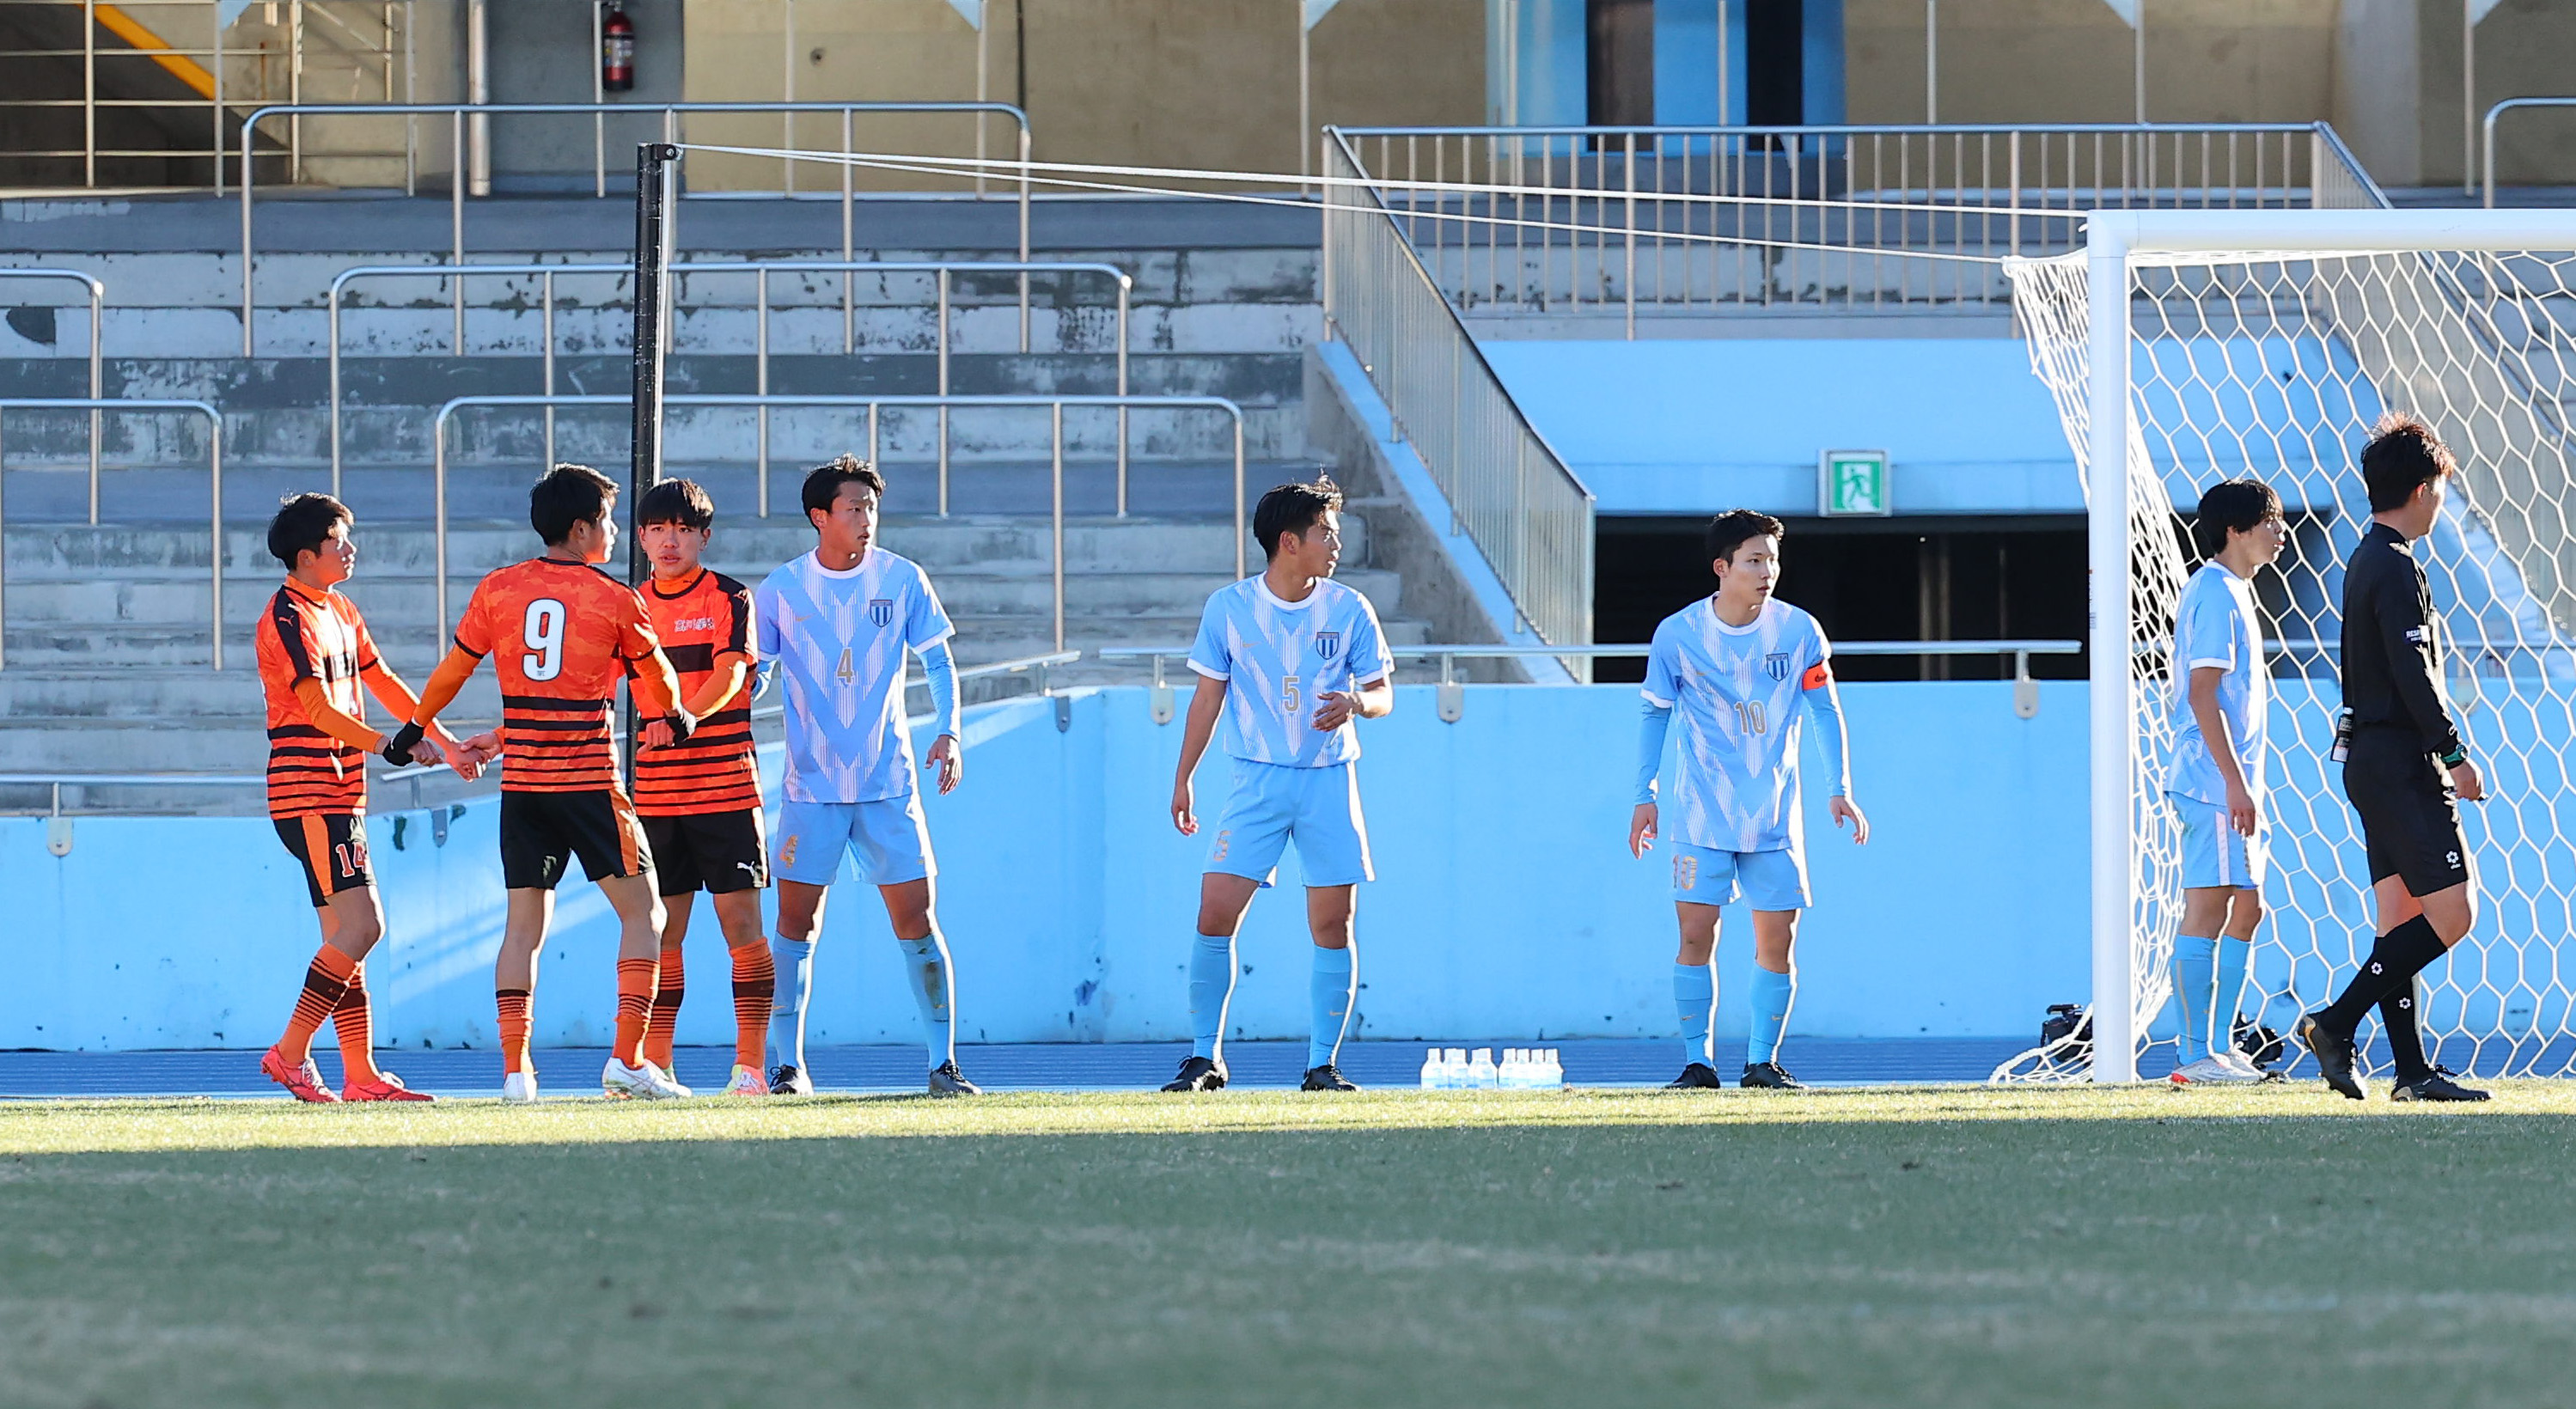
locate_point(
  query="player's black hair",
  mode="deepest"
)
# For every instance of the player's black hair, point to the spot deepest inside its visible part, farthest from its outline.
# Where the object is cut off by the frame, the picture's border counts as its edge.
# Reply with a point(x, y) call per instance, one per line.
point(302, 522)
point(677, 501)
point(823, 484)
point(569, 494)
point(1727, 531)
point(1293, 508)
point(2239, 505)
point(2403, 452)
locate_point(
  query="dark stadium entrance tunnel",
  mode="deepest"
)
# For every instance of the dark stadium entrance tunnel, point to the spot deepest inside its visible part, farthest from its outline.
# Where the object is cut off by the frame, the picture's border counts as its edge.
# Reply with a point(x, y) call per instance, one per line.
point(1893, 579)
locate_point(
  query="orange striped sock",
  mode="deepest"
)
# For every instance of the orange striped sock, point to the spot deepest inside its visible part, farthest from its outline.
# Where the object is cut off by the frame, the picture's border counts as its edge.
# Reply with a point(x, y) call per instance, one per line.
point(512, 1005)
point(670, 985)
point(634, 1002)
point(325, 980)
point(755, 987)
point(357, 1031)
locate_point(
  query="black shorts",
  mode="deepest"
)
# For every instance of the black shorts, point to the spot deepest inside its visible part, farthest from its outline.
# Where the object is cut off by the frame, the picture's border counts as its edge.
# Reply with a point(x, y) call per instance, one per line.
point(717, 852)
point(2410, 819)
point(542, 832)
point(333, 848)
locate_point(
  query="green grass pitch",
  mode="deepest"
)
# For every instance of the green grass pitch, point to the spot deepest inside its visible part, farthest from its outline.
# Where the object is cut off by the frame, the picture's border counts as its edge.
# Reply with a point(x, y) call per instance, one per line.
point(1933, 1246)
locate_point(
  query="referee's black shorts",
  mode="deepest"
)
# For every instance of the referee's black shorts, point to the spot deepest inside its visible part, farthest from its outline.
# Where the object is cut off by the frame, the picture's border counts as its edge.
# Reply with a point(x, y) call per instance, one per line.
point(2410, 819)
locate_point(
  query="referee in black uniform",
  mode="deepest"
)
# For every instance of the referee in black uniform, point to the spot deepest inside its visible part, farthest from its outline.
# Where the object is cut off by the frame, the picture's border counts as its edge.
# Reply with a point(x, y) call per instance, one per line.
point(2402, 743)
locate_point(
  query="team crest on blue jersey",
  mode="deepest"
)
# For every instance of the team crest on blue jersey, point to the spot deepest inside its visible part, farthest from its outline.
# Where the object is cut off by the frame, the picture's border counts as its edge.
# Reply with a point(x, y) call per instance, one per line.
point(881, 610)
point(1328, 644)
point(1777, 663)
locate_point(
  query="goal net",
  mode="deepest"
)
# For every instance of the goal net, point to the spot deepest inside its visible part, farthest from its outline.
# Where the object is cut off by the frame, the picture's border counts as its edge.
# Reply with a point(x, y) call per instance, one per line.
point(2187, 347)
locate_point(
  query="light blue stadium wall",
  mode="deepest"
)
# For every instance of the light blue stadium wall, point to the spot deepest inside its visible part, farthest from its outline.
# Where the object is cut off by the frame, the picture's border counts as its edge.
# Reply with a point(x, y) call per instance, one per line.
point(1552, 69)
point(1507, 905)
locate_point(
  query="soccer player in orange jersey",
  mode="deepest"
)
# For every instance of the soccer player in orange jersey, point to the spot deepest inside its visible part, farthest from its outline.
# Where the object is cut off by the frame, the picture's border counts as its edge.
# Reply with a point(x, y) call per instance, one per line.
point(561, 633)
point(700, 800)
point(314, 650)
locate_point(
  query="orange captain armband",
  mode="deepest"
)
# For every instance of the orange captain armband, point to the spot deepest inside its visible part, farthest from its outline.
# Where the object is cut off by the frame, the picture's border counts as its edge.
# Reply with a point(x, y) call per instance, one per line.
point(1818, 676)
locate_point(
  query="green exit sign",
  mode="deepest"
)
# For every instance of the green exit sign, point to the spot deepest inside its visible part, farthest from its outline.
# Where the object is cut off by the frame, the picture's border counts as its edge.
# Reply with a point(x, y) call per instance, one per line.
point(1853, 482)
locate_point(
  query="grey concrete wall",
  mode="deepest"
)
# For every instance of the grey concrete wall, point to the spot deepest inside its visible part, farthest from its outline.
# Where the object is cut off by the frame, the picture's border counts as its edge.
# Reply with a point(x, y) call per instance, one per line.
point(541, 53)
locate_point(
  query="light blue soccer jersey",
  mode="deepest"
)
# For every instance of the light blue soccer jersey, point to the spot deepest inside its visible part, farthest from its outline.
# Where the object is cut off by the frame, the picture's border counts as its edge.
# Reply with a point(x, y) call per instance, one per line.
point(2216, 626)
point(1738, 693)
point(839, 639)
point(1277, 656)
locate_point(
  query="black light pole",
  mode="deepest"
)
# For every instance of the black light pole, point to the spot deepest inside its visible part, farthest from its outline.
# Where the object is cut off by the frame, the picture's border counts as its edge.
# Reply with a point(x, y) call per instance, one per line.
point(657, 166)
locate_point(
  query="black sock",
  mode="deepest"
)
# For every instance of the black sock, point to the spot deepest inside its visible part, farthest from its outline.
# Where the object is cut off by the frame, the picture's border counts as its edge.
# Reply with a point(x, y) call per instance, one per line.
point(2400, 954)
point(2405, 1040)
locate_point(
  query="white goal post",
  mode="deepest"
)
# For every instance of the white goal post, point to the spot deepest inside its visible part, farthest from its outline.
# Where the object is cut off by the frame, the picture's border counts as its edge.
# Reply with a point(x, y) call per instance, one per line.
point(2184, 346)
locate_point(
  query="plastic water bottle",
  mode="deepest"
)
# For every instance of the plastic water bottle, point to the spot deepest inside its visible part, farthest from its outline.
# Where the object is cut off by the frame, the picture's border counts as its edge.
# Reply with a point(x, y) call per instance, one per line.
point(1481, 1073)
point(1551, 1070)
point(1433, 1070)
point(1516, 1069)
point(1454, 1070)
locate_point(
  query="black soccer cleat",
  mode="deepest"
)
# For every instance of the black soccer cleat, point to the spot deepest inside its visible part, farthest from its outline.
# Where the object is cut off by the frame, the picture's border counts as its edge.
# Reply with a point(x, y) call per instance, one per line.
point(947, 1080)
point(1698, 1076)
point(1198, 1074)
point(2333, 1051)
point(1770, 1076)
point(1327, 1077)
point(2434, 1085)
point(790, 1081)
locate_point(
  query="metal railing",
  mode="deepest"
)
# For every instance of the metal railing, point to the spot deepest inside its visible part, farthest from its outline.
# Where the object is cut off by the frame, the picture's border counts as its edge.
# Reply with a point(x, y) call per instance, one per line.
point(1452, 701)
point(215, 495)
point(1663, 220)
point(670, 113)
point(1054, 404)
point(267, 52)
point(944, 272)
point(97, 386)
point(1035, 667)
point(1508, 489)
point(2487, 144)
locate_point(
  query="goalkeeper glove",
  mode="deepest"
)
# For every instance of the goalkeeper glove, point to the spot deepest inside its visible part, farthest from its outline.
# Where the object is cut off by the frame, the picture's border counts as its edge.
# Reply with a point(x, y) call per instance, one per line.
point(682, 723)
point(399, 744)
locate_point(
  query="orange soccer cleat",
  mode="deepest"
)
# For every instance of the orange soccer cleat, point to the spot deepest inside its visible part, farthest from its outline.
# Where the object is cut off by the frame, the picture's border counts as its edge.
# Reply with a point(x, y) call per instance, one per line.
point(386, 1087)
point(302, 1081)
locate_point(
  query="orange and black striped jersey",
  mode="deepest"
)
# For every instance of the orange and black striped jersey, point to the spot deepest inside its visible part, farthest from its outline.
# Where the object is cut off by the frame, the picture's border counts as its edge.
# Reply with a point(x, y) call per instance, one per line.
point(313, 650)
point(560, 635)
point(703, 625)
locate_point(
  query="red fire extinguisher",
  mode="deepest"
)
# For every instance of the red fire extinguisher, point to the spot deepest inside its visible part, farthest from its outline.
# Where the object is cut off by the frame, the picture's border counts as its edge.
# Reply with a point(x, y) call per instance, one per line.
point(616, 50)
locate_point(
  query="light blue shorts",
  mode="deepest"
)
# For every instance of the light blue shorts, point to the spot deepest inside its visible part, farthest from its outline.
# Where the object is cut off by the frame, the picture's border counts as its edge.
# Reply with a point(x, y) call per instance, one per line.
point(1769, 880)
point(888, 838)
point(1273, 804)
point(2215, 854)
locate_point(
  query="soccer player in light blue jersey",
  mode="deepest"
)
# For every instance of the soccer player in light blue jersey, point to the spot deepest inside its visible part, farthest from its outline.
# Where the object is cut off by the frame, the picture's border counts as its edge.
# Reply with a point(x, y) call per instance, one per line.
point(836, 623)
point(1740, 667)
point(1289, 659)
point(2221, 698)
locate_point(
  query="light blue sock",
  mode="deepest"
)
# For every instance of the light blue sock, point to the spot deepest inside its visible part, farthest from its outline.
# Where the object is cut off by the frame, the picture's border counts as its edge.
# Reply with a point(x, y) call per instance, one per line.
point(794, 960)
point(1772, 994)
point(1329, 987)
point(1694, 994)
point(2233, 955)
point(2195, 978)
point(934, 991)
point(1211, 985)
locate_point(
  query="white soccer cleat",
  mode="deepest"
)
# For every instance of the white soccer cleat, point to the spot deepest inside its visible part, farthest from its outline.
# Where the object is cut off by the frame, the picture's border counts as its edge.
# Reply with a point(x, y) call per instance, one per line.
point(620, 1082)
point(747, 1081)
point(519, 1088)
point(2243, 1066)
point(2210, 1071)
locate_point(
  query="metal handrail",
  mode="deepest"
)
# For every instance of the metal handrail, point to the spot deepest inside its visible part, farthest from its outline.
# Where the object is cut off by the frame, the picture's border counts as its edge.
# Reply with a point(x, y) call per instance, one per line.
point(2486, 159)
point(1490, 462)
point(1057, 404)
point(2021, 649)
point(1039, 664)
point(458, 112)
point(97, 387)
point(215, 497)
point(943, 269)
